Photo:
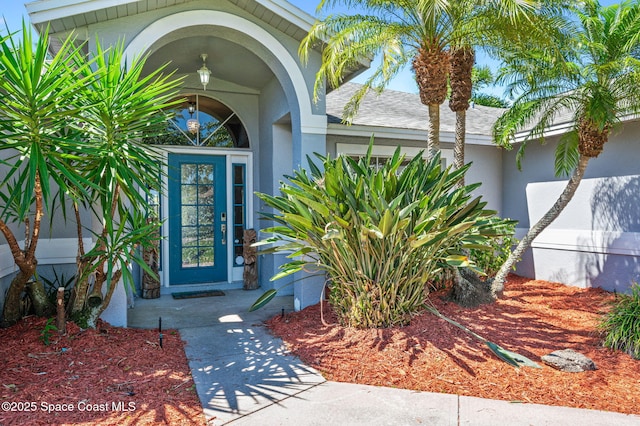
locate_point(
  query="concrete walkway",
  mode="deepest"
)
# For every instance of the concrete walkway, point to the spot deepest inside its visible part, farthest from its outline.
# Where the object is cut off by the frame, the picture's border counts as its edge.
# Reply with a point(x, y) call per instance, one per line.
point(244, 376)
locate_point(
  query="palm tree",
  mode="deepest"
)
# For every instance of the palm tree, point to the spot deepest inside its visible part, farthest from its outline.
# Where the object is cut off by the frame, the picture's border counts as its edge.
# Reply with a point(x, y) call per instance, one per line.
point(400, 32)
point(439, 38)
point(597, 80)
point(429, 34)
point(491, 25)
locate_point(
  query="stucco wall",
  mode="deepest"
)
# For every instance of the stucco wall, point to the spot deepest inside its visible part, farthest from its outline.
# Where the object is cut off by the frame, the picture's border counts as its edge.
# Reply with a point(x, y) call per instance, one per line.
point(275, 160)
point(619, 158)
point(595, 242)
point(282, 122)
point(283, 149)
point(592, 242)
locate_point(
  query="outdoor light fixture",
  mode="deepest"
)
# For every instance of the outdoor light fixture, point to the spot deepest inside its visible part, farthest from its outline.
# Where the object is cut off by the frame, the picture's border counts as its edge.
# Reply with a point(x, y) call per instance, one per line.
point(192, 124)
point(204, 71)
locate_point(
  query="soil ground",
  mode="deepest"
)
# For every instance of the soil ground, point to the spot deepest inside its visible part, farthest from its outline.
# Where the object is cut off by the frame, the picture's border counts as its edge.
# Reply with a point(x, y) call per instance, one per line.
point(116, 376)
point(532, 318)
point(106, 376)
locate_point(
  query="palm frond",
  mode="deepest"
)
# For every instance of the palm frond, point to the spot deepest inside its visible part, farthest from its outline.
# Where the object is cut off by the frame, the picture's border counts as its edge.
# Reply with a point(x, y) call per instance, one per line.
point(567, 155)
point(594, 79)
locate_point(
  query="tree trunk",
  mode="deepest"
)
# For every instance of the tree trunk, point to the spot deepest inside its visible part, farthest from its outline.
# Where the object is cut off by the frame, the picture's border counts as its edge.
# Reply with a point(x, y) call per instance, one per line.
point(461, 61)
point(24, 259)
point(469, 290)
point(61, 318)
point(41, 304)
point(96, 311)
point(498, 282)
point(81, 285)
point(80, 289)
point(12, 312)
point(433, 130)
point(431, 68)
point(458, 148)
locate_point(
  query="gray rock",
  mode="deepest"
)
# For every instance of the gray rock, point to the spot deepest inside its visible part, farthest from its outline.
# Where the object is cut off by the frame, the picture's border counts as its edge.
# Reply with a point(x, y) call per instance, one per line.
point(569, 360)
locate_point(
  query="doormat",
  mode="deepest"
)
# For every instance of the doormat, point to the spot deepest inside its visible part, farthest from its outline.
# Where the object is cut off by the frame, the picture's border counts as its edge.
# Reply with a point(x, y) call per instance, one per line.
point(193, 294)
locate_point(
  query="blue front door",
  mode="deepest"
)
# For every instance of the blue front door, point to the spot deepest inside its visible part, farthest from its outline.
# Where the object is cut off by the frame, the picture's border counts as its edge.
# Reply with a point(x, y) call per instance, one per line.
point(197, 219)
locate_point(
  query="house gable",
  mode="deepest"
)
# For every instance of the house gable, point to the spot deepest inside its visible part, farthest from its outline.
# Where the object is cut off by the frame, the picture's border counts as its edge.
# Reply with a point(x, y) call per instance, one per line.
point(67, 15)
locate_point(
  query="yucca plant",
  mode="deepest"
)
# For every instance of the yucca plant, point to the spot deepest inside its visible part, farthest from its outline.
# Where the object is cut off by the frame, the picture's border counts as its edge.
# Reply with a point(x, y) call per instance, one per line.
point(378, 234)
point(121, 104)
point(621, 326)
point(37, 93)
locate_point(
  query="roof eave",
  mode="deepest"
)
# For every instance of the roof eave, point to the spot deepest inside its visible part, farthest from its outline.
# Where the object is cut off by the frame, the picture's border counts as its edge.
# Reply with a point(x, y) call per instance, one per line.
point(357, 130)
point(45, 11)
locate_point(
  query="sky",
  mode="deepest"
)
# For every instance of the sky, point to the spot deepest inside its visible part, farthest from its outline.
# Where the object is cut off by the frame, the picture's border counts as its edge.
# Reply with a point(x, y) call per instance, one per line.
point(13, 11)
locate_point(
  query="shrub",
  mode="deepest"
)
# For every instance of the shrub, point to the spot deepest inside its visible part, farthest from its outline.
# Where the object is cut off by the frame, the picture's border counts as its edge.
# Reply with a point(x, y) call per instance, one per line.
point(621, 326)
point(378, 234)
point(490, 261)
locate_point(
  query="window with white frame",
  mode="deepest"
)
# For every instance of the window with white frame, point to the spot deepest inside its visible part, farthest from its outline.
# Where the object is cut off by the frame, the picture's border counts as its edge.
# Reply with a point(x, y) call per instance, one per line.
point(380, 154)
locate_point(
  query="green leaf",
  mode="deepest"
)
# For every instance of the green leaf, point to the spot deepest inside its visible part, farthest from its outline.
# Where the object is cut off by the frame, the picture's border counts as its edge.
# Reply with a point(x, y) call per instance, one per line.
point(298, 222)
point(509, 357)
point(266, 297)
point(384, 226)
point(429, 239)
point(315, 205)
point(457, 261)
point(567, 154)
point(289, 269)
point(386, 223)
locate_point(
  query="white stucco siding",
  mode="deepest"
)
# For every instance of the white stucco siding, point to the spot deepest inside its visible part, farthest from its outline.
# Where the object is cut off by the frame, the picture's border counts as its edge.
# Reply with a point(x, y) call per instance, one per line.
point(283, 121)
point(486, 168)
point(619, 158)
point(594, 240)
point(275, 159)
point(279, 51)
point(284, 149)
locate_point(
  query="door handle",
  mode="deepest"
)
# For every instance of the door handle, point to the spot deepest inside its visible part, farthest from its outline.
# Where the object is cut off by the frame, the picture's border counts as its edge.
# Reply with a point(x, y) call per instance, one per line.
point(223, 228)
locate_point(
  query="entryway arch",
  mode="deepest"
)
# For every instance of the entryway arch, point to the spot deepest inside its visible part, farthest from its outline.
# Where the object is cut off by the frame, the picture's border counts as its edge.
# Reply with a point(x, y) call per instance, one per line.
point(255, 70)
point(265, 45)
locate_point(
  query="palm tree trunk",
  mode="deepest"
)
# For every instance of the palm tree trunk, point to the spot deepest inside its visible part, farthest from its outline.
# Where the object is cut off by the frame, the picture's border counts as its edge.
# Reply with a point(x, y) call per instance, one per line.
point(431, 68)
point(433, 130)
point(458, 148)
point(461, 63)
point(498, 282)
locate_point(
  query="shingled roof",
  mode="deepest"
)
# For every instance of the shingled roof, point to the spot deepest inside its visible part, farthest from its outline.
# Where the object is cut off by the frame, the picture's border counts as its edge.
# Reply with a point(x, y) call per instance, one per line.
point(402, 110)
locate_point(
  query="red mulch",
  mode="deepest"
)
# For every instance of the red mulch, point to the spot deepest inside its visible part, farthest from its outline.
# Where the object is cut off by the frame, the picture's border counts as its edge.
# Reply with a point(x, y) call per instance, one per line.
point(532, 318)
point(107, 376)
